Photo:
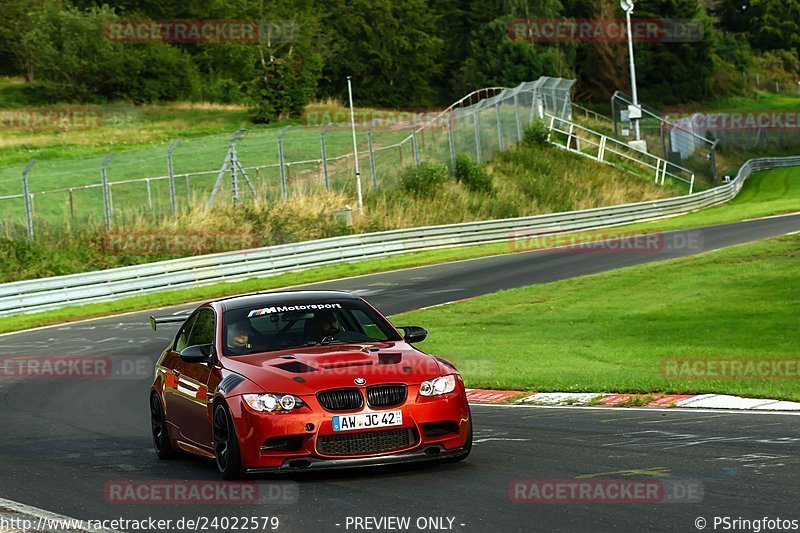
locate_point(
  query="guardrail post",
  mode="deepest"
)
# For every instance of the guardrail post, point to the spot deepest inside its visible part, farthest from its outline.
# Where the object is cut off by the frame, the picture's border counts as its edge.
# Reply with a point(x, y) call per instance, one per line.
point(476, 121)
point(414, 139)
point(28, 208)
point(372, 157)
point(284, 191)
point(106, 191)
point(324, 154)
point(452, 141)
point(172, 199)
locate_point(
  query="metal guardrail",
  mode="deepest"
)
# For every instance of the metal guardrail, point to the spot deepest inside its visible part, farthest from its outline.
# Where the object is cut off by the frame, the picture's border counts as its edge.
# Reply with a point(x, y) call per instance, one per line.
point(75, 289)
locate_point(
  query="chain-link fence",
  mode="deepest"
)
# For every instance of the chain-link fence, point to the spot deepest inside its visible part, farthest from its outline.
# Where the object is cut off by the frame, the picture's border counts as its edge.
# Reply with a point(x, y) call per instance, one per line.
point(269, 165)
point(677, 142)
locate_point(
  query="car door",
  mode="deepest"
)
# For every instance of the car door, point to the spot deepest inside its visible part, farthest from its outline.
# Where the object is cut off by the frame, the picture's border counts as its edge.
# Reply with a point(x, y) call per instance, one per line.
point(191, 397)
point(172, 365)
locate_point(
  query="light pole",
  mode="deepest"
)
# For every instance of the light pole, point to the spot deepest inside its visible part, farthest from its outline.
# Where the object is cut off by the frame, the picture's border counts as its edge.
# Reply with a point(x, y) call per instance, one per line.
point(635, 113)
point(355, 146)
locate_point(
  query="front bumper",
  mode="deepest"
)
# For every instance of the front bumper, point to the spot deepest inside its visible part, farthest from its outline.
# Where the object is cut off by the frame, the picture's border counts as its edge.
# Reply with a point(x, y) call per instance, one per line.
point(427, 454)
point(309, 424)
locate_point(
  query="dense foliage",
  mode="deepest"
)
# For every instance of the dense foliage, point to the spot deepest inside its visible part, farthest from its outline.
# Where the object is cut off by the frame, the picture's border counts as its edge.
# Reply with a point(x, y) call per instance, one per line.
point(410, 53)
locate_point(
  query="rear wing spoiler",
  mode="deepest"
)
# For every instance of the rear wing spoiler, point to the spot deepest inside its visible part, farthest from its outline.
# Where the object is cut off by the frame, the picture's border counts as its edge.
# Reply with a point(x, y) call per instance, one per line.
point(156, 320)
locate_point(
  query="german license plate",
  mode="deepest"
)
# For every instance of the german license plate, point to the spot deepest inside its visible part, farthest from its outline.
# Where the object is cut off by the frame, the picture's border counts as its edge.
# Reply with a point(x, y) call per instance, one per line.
point(367, 420)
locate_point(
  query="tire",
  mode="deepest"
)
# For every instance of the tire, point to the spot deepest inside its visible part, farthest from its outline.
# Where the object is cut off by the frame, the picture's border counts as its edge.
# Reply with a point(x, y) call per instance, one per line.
point(158, 427)
point(226, 444)
point(467, 445)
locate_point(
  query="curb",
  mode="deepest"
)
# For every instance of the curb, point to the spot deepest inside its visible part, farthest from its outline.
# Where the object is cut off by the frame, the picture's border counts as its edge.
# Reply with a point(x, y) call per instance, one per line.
point(600, 399)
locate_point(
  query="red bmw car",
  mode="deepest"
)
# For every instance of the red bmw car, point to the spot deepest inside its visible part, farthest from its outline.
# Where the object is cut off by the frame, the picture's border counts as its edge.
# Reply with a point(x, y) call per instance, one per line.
point(296, 381)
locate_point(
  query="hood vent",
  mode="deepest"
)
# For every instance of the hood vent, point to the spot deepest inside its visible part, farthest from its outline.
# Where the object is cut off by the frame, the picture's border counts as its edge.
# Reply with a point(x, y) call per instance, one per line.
point(296, 367)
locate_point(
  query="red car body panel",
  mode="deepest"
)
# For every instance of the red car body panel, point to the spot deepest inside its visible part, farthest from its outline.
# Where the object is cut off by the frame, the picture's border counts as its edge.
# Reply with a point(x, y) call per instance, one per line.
point(190, 391)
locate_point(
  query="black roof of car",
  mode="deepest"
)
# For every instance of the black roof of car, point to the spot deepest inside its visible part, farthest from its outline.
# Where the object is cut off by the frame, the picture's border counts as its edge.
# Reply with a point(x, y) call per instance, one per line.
point(283, 298)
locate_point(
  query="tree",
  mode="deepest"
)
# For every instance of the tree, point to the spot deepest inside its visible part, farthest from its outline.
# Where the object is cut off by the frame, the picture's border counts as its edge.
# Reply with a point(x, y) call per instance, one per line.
point(389, 48)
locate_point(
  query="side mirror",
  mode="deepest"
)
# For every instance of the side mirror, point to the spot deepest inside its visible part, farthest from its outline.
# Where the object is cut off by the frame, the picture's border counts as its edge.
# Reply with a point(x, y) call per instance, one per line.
point(412, 334)
point(199, 353)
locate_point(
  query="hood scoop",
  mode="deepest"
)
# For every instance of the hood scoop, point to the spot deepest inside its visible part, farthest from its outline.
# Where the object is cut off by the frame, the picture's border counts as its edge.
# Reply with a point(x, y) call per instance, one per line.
point(342, 359)
point(390, 358)
point(296, 367)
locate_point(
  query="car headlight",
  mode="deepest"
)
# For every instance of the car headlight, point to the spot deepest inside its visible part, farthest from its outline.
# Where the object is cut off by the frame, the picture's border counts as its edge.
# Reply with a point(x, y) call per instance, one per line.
point(438, 386)
point(272, 403)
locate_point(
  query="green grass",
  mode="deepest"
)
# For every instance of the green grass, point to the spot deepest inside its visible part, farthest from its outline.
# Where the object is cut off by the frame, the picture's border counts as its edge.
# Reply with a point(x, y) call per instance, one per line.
point(610, 332)
point(765, 193)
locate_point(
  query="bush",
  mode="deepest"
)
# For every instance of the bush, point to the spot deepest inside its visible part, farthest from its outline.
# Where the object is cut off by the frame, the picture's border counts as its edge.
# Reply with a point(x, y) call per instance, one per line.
point(425, 181)
point(536, 134)
point(473, 176)
point(74, 60)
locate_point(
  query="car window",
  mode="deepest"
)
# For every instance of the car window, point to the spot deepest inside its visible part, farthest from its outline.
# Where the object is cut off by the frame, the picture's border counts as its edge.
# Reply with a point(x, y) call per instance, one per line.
point(368, 326)
point(203, 329)
point(182, 339)
point(279, 327)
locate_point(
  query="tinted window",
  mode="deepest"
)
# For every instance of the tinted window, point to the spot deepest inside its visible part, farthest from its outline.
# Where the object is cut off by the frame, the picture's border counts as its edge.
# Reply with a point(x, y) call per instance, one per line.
point(280, 327)
point(182, 340)
point(203, 329)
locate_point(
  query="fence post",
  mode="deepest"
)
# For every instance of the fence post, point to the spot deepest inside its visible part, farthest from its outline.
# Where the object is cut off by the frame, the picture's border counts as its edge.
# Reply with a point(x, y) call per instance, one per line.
point(519, 119)
point(452, 141)
point(172, 198)
point(28, 209)
point(71, 204)
point(149, 194)
point(372, 157)
point(280, 160)
point(499, 126)
point(325, 155)
point(414, 139)
point(476, 121)
point(106, 192)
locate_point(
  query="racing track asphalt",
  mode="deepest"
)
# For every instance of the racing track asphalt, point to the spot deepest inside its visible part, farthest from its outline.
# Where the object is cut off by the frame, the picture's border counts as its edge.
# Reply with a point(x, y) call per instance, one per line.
point(63, 440)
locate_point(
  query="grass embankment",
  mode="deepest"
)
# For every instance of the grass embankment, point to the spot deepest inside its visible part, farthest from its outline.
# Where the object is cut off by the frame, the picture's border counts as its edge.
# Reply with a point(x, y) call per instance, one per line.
point(764, 194)
point(527, 180)
point(612, 331)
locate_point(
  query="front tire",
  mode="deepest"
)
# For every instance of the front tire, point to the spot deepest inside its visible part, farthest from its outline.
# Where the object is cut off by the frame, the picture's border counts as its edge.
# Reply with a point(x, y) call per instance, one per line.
point(226, 444)
point(158, 426)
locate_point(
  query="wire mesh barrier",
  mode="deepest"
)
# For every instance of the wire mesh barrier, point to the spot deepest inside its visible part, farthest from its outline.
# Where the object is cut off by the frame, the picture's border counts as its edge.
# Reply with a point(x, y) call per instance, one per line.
point(679, 143)
point(75, 289)
point(115, 190)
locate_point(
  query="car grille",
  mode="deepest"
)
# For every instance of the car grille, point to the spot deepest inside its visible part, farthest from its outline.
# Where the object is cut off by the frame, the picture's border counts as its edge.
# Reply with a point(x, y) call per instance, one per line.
point(368, 442)
point(341, 399)
point(386, 395)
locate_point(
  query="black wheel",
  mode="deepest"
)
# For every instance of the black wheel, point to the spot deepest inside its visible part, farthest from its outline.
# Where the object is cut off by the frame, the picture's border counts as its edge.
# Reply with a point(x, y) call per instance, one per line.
point(226, 445)
point(467, 445)
point(158, 425)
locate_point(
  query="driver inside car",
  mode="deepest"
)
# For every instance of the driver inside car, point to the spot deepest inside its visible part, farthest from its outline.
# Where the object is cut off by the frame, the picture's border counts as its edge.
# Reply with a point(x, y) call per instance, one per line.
point(239, 338)
point(327, 324)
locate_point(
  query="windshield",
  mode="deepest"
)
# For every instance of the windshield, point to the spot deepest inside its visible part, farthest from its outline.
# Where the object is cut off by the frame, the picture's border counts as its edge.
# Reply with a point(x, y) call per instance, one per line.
point(281, 327)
